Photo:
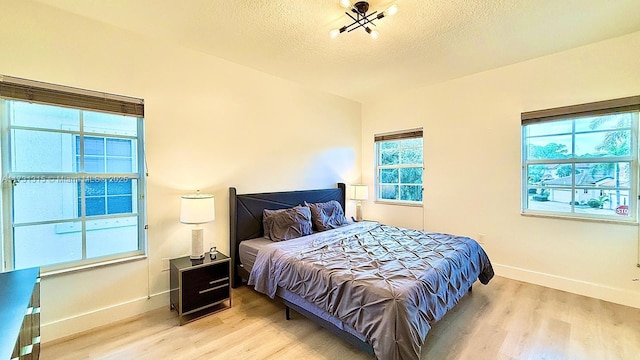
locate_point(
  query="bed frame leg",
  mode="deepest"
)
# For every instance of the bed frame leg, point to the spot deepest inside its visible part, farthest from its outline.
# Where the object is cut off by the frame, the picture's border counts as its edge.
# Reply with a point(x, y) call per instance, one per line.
point(287, 315)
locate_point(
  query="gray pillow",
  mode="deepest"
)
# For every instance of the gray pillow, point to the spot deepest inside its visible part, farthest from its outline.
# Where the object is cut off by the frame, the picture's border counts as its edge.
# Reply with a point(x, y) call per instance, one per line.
point(327, 215)
point(285, 224)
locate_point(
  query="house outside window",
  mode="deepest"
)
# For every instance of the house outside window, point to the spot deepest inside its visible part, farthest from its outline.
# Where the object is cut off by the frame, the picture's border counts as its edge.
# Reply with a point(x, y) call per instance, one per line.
point(106, 196)
point(399, 167)
point(582, 161)
point(73, 176)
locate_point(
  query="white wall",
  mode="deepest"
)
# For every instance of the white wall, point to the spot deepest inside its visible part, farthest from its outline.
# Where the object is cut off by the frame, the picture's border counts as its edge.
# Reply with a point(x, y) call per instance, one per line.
point(210, 124)
point(473, 166)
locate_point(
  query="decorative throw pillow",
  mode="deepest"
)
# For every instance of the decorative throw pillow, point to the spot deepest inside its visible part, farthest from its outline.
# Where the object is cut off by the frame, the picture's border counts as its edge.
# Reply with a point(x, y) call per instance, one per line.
point(285, 224)
point(327, 215)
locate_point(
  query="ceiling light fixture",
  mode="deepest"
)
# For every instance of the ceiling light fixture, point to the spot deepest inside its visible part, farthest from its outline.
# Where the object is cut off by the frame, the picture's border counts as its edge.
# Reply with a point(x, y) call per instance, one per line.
point(362, 19)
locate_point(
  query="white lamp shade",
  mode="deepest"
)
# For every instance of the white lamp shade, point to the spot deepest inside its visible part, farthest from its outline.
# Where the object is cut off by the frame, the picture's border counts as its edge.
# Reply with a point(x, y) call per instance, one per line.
point(197, 209)
point(359, 192)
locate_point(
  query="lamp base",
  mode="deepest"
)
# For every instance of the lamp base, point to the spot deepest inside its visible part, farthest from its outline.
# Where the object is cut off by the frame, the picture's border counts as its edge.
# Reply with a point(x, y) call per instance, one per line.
point(197, 248)
point(359, 211)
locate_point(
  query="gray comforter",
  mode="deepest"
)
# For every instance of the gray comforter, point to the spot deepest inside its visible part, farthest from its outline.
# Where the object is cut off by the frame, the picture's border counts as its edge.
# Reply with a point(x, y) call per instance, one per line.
point(388, 283)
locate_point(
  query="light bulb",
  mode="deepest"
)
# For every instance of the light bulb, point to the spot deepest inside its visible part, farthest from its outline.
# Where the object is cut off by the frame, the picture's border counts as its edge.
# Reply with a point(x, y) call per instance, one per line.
point(374, 34)
point(334, 33)
point(345, 4)
point(391, 10)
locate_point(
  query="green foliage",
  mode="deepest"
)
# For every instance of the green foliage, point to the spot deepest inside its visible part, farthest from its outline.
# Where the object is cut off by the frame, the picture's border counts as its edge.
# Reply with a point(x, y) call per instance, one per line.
point(389, 176)
point(411, 192)
point(416, 142)
point(615, 142)
point(549, 151)
point(535, 173)
point(594, 203)
point(411, 175)
point(389, 157)
point(411, 156)
point(564, 170)
point(544, 195)
point(599, 202)
point(395, 152)
point(386, 145)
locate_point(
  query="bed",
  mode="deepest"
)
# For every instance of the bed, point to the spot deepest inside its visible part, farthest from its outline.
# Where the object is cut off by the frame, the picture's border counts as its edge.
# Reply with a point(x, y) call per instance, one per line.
point(377, 287)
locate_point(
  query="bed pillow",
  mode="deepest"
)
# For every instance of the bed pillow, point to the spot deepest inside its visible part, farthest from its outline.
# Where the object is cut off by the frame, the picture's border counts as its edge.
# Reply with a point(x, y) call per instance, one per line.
point(327, 215)
point(285, 224)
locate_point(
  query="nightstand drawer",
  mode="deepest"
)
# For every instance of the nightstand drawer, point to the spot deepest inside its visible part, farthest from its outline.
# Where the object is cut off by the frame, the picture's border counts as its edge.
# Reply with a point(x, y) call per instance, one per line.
point(204, 286)
point(202, 278)
point(194, 299)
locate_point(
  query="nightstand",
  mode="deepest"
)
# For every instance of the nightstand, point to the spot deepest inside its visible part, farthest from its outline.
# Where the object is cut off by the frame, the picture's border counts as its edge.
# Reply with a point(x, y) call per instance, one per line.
point(200, 287)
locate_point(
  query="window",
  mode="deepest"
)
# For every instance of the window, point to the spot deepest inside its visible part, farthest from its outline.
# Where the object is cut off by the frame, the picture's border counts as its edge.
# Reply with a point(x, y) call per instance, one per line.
point(112, 196)
point(73, 180)
point(399, 167)
point(582, 161)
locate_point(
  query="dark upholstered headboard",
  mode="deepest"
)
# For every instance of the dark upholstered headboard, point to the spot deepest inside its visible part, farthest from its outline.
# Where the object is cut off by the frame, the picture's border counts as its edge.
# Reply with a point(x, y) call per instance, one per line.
point(245, 216)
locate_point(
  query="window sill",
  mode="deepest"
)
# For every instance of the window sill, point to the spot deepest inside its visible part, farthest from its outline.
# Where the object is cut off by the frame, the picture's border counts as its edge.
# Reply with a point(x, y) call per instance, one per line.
point(83, 267)
point(401, 203)
point(584, 219)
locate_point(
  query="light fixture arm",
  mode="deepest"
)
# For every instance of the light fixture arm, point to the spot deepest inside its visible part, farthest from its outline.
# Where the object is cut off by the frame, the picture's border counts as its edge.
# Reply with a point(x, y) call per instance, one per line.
point(362, 19)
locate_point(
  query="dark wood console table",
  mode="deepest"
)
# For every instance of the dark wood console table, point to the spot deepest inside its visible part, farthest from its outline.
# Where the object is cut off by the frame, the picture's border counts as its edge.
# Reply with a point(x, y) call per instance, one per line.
point(20, 314)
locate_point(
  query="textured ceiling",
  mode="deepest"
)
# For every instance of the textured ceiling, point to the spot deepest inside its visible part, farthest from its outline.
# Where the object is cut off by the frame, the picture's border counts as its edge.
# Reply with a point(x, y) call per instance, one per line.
point(427, 41)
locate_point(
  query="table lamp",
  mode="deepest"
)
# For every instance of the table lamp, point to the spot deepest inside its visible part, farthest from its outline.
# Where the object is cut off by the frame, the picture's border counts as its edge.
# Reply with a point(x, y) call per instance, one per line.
point(359, 192)
point(197, 209)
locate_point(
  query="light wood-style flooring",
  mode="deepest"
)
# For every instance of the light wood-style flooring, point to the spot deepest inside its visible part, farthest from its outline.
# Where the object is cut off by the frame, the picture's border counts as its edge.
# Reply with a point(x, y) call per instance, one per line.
point(506, 319)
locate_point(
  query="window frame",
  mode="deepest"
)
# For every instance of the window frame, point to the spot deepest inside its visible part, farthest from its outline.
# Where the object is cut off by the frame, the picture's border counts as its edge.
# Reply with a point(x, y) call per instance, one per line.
point(397, 136)
point(15, 89)
point(575, 113)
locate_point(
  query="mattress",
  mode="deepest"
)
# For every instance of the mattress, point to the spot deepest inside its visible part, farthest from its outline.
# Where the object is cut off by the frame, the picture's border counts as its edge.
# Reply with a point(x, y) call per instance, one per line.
point(248, 251)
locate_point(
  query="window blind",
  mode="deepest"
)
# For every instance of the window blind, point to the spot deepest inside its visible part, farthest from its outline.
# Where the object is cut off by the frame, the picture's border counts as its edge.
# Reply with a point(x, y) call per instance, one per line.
point(398, 135)
point(44, 93)
point(631, 103)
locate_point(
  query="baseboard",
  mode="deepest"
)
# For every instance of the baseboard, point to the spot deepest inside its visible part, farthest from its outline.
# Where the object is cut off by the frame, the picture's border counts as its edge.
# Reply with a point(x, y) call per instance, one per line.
point(83, 322)
point(598, 291)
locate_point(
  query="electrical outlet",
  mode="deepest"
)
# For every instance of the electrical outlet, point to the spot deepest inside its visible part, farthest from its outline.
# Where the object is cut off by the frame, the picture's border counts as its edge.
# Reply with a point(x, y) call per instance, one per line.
point(480, 238)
